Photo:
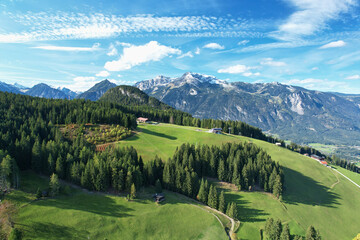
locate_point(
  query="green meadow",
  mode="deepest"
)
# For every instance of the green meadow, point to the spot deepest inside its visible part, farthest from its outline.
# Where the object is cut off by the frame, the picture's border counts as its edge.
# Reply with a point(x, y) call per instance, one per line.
point(350, 174)
point(85, 215)
point(314, 195)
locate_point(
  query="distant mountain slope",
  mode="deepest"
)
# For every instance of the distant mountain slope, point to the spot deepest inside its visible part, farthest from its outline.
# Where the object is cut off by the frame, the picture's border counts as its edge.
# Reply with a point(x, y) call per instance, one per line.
point(4, 87)
point(45, 91)
point(294, 113)
point(128, 95)
point(68, 92)
point(97, 90)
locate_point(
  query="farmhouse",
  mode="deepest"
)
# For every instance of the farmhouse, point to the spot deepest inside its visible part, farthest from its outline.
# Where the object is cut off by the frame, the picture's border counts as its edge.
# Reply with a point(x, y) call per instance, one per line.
point(158, 197)
point(142, 120)
point(278, 144)
point(216, 130)
point(316, 157)
point(324, 163)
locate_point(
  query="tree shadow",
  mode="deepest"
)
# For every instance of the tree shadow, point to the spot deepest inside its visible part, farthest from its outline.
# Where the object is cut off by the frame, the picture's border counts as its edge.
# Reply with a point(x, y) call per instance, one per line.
point(93, 203)
point(53, 231)
point(157, 134)
point(246, 214)
point(301, 189)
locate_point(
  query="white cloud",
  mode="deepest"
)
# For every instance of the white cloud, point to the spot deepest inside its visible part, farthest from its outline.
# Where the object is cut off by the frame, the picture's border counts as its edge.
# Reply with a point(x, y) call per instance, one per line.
point(214, 46)
point(315, 68)
point(197, 51)
point(103, 74)
point(243, 42)
point(335, 44)
point(43, 26)
point(237, 69)
point(353, 77)
point(82, 83)
point(112, 50)
point(95, 47)
point(136, 55)
point(272, 63)
point(311, 16)
point(304, 81)
point(123, 44)
point(188, 54)
point(320, 84)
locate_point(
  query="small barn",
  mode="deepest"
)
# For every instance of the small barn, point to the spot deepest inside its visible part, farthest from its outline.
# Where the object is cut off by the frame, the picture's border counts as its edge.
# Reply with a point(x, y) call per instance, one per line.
point(216, 130)
point(142, 120)
point(159, 197)
point(278, 144)
point(324, 163)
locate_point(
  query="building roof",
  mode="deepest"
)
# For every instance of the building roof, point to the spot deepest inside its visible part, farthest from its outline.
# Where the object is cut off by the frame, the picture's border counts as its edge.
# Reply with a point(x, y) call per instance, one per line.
point(217, 129)
point(324, 162)
point(142, 119)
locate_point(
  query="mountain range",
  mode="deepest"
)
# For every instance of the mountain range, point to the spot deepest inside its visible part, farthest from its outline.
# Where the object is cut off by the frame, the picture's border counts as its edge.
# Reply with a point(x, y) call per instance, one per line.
point(294, 113)
point(289, 112)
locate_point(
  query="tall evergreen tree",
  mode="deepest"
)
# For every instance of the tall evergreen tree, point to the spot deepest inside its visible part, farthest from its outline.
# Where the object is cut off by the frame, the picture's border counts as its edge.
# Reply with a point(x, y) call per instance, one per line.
point(312, 234)
point(54, 185)
point(222, 203)
point(285, 234)
point(212, 197)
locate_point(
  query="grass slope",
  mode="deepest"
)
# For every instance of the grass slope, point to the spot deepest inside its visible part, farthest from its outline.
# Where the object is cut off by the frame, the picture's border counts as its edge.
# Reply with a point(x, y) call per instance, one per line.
point(314, 195)
point(350, 174)
point(100, 216)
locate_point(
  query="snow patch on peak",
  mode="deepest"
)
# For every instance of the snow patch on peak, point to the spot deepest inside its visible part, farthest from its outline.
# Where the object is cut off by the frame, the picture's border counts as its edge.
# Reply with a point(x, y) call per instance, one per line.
point(193, 92)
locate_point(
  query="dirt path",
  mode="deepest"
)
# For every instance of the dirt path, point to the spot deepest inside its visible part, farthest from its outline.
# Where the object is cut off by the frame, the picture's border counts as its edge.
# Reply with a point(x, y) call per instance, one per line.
point(346, 177)
point(338, 180)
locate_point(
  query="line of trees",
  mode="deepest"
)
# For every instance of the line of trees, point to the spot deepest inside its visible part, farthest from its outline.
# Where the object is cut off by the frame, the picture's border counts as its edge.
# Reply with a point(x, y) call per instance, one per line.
point(275, 230)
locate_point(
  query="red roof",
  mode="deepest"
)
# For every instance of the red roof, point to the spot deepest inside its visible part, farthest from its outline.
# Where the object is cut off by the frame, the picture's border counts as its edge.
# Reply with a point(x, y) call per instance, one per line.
point(324, 162)
point(142, 119)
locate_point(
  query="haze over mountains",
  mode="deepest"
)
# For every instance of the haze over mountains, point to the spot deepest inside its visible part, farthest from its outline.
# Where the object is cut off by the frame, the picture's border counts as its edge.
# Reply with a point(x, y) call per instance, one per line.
point(294, 113)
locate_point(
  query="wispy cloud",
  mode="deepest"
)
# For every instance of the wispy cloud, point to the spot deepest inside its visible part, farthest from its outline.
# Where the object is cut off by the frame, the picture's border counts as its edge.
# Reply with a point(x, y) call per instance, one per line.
point(215, 46)
point(103, 74)
point(136, 55)
point(353, 77)
point(243, 42)
point(95, 47)
point(335, 44)
point(272, 63)
point(239, 69)
point(59, 26)
point(188, 54)
point(319, 84)
point(310, 17)
point(112, 50)
point(197, 51)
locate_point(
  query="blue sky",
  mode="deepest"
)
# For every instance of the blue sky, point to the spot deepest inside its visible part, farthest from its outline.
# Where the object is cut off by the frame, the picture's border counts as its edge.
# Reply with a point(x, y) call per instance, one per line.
point(75, 44)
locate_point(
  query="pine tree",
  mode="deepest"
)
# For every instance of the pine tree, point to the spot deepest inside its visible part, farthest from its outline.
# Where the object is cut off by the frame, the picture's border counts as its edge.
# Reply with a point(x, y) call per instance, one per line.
point(269, 225)
point(233, 212)
point(38, 193)
point(202, 195)
point(222, 202)
point(158, 187)
point(212, 198)
point(312, 234)
point(277, 229)
point(129, 181)
point(221, 170)
point(285, 234)
point(54, 185)
point(133, 191)
point(188, 184)
point(277, 187)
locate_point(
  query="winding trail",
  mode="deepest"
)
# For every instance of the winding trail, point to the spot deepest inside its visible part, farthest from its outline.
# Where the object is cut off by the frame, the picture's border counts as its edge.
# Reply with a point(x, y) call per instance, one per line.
point(346, 177)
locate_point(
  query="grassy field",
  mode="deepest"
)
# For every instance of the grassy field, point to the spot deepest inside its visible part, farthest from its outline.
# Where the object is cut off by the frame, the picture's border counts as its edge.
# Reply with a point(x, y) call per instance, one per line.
point(326, 149)
point(163, 139)
point(99, 216)
point(314, 195)
point(352, 175)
